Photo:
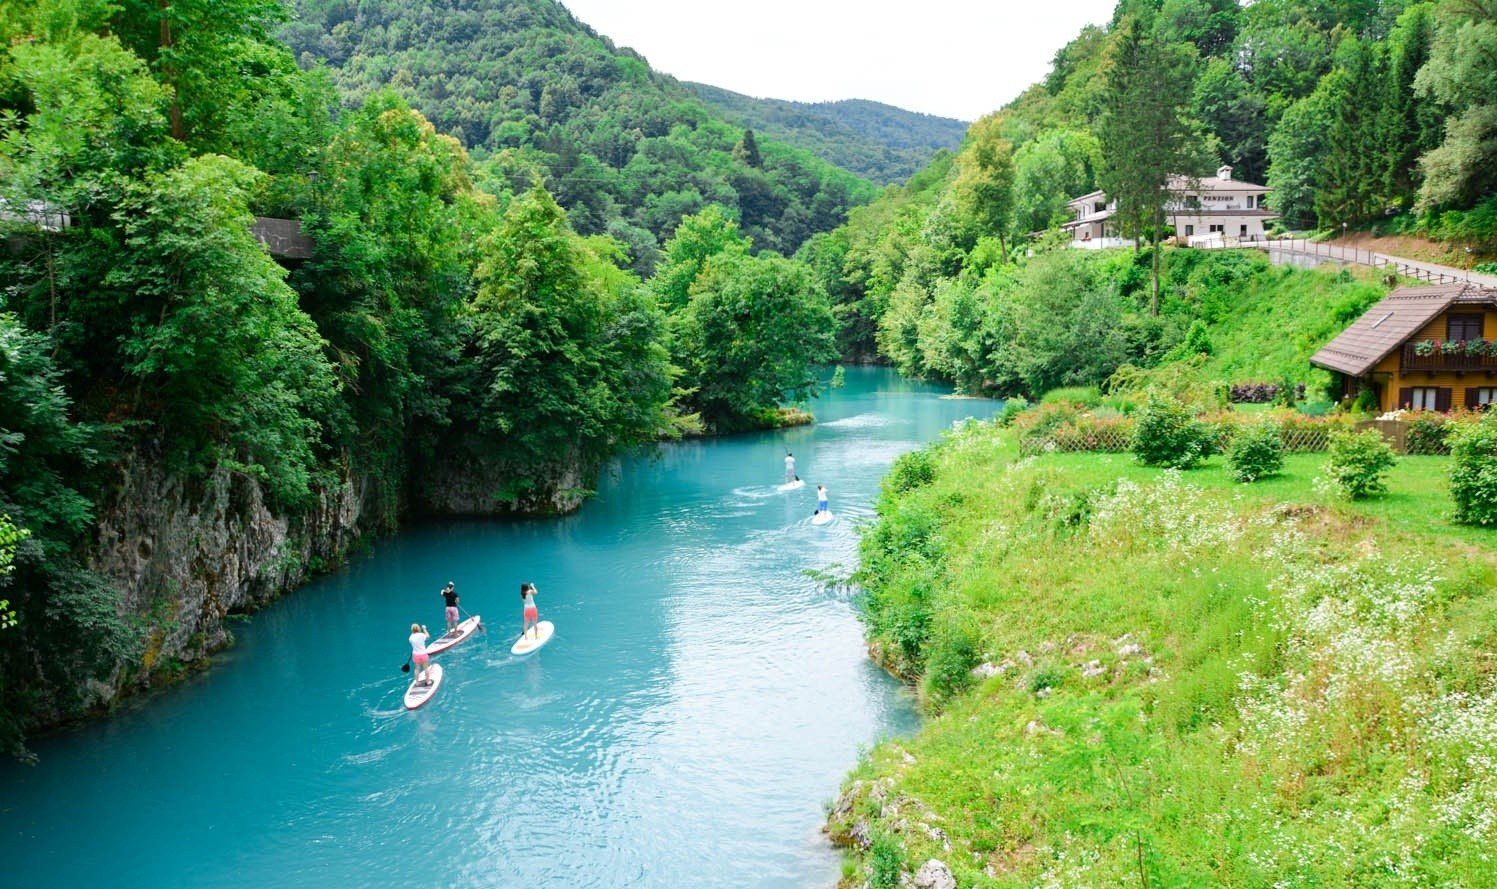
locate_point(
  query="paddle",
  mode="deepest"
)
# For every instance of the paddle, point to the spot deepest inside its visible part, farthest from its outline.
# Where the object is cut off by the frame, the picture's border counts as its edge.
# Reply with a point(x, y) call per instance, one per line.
point(464, 612)
point(406, 667)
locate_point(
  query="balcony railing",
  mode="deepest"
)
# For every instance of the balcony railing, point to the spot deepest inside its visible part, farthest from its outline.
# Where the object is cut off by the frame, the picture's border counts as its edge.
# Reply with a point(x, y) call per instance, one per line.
point(1438, 359)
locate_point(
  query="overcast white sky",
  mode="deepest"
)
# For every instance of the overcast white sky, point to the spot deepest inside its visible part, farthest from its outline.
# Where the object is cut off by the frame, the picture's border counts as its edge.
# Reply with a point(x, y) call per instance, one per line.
point(954, 58)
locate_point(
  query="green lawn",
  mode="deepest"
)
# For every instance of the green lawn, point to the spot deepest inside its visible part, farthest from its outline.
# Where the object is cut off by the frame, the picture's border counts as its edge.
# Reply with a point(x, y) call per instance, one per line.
point(1418, 497)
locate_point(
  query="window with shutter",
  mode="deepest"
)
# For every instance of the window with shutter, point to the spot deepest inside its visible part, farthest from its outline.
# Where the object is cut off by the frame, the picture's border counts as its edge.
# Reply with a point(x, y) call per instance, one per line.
point(1442, 399)
point(1428, 398)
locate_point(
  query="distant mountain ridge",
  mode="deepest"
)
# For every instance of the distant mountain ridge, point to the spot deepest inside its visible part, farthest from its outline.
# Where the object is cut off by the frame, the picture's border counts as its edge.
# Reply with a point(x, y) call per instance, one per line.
point(536, 94)
point(880, 142)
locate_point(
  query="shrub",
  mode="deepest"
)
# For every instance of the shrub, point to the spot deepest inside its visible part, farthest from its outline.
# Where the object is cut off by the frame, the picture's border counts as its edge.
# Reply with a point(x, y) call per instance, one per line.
point(913, 470)
point(1012, 408)
point(1257, 451)
point(1289, 393)
point(1358, 462)
point(1167, 435)
point(1427, 433)
point(1473, 472)
point(952, 653)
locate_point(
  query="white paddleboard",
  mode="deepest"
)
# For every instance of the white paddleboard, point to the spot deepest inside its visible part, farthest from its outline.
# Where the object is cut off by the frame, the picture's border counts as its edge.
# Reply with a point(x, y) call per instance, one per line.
point(419, 694)
point(821, 518)
point(447, 640)
point(793, 486)
point(534, 638)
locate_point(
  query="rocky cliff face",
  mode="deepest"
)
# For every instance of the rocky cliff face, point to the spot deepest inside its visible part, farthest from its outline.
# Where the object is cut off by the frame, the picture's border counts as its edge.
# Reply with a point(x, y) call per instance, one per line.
point(183, 555)
point(465, 479)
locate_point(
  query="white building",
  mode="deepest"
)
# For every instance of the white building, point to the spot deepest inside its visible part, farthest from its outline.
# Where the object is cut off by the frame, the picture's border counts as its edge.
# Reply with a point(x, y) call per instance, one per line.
point(1216, 209)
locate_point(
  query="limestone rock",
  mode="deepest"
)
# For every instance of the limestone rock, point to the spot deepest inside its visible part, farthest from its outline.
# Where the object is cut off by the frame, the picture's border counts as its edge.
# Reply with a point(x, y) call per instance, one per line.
point(934, 874)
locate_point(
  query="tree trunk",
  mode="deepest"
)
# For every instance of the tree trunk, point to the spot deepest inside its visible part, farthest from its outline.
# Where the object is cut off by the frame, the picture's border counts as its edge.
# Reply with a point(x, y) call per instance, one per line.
point(179, 130)
point(1158, 224)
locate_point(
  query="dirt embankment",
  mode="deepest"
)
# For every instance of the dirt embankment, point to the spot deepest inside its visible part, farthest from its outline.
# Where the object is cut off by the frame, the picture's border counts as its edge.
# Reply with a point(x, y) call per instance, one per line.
point(1415, 247)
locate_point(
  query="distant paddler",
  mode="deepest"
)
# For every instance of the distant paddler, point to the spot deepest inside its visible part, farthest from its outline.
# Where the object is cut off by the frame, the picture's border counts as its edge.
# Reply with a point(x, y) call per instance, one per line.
point(789, 467)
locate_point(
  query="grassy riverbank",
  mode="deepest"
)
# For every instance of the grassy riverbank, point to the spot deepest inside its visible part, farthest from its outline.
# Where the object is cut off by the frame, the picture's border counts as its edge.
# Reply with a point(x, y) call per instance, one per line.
point(1163, 679)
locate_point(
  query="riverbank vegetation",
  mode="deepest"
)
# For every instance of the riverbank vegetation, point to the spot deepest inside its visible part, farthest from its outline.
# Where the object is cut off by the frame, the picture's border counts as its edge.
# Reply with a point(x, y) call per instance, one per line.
point(443, 317)
point(1141, 676)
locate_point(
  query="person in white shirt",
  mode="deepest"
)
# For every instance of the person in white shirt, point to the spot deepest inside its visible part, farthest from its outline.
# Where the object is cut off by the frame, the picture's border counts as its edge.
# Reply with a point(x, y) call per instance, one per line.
point(532, 614)
point(789, 467)
point(418, 652)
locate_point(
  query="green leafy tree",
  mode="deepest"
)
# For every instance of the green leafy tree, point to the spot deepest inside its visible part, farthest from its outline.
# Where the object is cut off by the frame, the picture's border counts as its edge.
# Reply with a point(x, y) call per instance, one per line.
point(1462, 76)
point(1283, 53)
point(1209, 24)
point(567, 349)
point(1414, 125)
point(216, 57)
point(1297, 151)
point(395, 218)
point(750, 335)
point(697, 239)
point(1064, 325)
point(950, 335)
point(1053, 168)
point(1232, 109)
point(984, 184)
point(194, 274)
point(747, 150)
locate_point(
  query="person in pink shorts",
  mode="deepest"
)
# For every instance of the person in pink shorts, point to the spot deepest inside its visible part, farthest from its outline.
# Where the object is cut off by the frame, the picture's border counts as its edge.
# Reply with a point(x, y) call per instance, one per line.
point(532, 614)
point(419, 657)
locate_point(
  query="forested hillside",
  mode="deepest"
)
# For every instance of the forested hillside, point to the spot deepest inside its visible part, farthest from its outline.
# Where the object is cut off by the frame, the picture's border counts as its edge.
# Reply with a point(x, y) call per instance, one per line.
point(1372, 115)
point(539, 96)
point(189, 428)
point(877, 141)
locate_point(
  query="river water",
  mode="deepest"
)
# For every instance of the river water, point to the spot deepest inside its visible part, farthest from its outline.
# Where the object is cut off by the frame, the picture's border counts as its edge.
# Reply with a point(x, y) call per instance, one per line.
point(698, 706)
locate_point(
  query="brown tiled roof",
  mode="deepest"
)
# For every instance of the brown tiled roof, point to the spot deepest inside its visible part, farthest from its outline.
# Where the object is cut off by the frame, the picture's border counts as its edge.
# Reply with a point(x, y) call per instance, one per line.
point(1387, 325)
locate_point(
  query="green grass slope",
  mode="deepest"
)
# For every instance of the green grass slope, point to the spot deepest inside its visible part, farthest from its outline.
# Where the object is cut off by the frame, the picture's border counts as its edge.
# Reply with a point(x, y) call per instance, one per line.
point(1263, 322)
point(1151, 678)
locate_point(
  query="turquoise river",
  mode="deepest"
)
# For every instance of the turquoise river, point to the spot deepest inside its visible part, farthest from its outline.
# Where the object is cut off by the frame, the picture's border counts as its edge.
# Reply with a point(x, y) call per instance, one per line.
point(699, 705)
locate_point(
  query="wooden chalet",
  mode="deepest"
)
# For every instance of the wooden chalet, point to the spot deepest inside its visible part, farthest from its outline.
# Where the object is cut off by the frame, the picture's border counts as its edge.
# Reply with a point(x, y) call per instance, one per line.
point(1421, 348)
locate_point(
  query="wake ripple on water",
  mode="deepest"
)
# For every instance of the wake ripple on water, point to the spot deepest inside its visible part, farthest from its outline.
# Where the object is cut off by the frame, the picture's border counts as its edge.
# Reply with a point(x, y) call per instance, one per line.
point(862, 421)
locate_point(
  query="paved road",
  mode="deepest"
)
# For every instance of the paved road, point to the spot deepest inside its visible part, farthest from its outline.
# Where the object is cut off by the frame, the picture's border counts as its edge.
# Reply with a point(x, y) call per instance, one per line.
point(1413, 268)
